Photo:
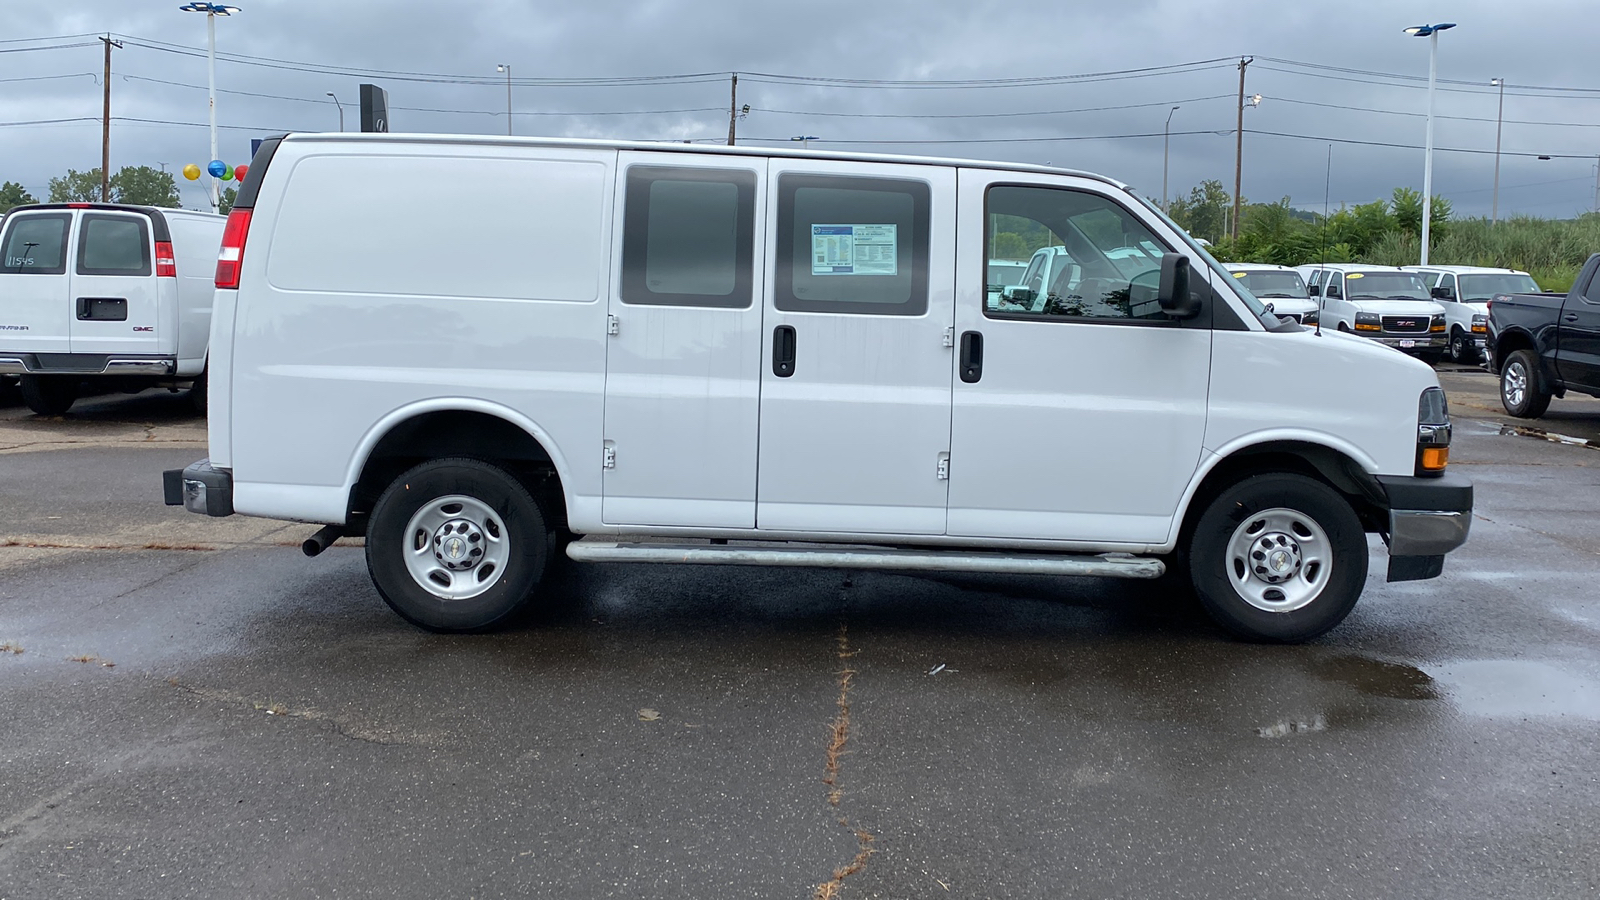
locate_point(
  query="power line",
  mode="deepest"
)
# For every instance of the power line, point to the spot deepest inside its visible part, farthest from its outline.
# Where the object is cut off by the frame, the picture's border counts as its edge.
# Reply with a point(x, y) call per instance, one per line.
point(1418, 78)
point(1398, 112)
point(49, 77)
point(1041, 112)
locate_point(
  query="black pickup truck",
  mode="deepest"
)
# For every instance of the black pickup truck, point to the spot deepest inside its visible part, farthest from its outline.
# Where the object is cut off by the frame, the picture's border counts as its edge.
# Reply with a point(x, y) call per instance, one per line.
point(1544, 345)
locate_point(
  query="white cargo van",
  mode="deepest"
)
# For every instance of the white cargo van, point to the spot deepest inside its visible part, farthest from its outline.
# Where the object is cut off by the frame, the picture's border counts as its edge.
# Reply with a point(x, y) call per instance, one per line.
point(1280, 287)
point(95, 291)
point(1382, 303)
point(779, 357)
point(1465, 292)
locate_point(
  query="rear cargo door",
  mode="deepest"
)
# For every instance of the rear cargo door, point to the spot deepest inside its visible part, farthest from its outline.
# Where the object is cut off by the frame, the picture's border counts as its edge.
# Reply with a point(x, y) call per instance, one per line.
point(114, 306)
point(35, 311)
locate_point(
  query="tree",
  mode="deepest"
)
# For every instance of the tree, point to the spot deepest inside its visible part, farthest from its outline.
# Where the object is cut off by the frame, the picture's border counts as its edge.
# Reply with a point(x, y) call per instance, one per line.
point(1201, 213)
point(228, 196)
point(13, 194)
point(144, 186)
point(76, 187)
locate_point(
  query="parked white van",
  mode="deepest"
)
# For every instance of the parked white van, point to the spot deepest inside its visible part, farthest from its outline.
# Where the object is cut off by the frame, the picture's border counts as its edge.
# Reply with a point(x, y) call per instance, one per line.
point(1278, 286)
point(1384, 303)
point(106, 292)
point(1465, 292)
point(784, 357)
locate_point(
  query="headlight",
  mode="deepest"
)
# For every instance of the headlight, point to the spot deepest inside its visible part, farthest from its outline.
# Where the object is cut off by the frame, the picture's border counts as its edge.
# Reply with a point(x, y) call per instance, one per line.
point(1433, 432)
point(1480, 323)
point(1436, 324)
point(1310, 318)
point(1366, 321)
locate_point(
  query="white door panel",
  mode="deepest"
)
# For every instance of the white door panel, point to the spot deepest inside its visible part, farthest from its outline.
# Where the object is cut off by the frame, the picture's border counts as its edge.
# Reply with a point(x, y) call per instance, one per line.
point(1077, 429)
point(115, 292)
point(683, 369)
point(35, 280)
point(853, 436)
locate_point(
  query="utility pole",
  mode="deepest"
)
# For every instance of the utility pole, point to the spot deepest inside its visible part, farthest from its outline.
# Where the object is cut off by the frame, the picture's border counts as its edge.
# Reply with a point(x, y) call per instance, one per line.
point(105, 126)
point(1494, 211)
point(733, 107)
point(1238, 149)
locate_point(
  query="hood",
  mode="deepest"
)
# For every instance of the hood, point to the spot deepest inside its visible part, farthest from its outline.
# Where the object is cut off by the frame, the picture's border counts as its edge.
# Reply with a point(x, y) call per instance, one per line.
point(1399, 307)
point(1284, 306)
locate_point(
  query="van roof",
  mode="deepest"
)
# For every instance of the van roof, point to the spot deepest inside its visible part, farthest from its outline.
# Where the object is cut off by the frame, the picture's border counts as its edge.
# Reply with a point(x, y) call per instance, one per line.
point(1465, 270)
point(699, 149)
point(1256, 267)
point(1352, 267)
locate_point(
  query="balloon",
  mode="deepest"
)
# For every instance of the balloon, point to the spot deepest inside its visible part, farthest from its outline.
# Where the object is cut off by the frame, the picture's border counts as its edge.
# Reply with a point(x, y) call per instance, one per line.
point(239, 172)
point(227, 174)
point(191, 171)
point(216, 167)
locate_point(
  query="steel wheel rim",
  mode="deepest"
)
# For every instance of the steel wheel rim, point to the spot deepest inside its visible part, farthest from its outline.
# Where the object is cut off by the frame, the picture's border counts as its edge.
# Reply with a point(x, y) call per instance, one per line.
point(456, 547)
point(1279, 560)
point(1516, 384)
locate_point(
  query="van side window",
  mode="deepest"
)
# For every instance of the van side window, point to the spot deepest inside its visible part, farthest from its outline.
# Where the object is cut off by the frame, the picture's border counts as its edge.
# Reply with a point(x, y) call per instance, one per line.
point(36, 245)
point(113, 245)
point(688, 237)
point(1111, 264)
point(852, 245)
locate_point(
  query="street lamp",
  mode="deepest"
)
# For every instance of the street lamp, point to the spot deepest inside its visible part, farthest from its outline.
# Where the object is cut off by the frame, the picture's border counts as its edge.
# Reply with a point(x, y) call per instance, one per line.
point(1166, 140)
point(506, 68)
point(1494, 211)
point(341, 111)
point(805, 140)
point(1431, 32)
point(212, 10)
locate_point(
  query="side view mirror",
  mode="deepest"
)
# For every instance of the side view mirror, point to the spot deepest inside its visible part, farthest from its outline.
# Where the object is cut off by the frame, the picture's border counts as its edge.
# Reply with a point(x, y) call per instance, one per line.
point(1018, 294)
point(1333, 290)
point(1443, 293)
point(1314, 290)
point(1174, 295)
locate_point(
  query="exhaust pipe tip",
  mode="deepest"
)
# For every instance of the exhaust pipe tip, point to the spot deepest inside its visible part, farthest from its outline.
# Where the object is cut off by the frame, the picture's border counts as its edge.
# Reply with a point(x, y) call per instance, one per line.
point(322, 540)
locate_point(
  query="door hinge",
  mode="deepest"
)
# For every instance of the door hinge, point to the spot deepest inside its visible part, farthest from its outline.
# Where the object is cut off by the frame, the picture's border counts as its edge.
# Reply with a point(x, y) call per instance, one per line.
point(612, 326)
point(943, 468)
point(609, 456)
point(950, 337)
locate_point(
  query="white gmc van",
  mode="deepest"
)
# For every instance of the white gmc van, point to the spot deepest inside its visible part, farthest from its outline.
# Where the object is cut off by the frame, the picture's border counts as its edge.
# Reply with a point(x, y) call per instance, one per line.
point(107, 292)
point(772, 357)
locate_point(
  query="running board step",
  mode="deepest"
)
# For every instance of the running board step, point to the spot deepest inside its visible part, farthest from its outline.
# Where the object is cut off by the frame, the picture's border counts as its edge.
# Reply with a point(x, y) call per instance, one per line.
point(844, 558)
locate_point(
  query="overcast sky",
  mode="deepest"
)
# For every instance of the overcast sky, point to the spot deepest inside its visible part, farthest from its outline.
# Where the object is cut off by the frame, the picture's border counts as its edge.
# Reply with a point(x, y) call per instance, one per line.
point(1535, 43)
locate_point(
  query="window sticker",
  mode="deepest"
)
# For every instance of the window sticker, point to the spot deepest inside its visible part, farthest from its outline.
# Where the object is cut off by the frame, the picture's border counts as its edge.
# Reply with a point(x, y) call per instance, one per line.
point(1240, 274)
point(1355, 275)
point(854, 249)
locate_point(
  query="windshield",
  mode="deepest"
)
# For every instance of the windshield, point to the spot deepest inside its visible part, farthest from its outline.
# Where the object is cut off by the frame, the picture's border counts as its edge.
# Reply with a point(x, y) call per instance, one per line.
point(1257, 308)
point(1270, 284)
point(1478, 288)
point(1385, 286)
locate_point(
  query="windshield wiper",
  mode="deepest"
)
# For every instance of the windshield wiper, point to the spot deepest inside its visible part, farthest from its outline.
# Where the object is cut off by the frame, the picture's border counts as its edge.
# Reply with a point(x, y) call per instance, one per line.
point(1407, 297)
point(1279, 296)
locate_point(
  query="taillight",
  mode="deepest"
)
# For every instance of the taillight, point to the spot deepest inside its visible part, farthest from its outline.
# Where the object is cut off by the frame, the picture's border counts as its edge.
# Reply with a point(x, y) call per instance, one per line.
point(166, 264)
point(231, 257)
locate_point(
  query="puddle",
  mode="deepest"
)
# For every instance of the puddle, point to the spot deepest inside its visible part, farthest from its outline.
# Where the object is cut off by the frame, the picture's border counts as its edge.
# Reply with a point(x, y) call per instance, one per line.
point(1527, 431)
point(1378, 679)
point(1507, 688)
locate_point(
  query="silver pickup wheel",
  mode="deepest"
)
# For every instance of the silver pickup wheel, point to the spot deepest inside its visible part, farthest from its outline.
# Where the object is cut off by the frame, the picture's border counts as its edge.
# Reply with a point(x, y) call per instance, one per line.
point(456, 545)
point(1278, 557)
point(1521, 391)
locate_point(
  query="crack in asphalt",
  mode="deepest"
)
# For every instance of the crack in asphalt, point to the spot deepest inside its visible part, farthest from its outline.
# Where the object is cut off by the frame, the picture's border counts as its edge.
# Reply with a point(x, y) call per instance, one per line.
point(343, 726)
point(838, 738)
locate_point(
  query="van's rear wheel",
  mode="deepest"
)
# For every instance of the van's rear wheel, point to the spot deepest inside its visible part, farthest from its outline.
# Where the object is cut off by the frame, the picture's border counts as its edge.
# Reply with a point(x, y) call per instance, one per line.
point(456, 545)
point(1278, 557)
point(49, 395)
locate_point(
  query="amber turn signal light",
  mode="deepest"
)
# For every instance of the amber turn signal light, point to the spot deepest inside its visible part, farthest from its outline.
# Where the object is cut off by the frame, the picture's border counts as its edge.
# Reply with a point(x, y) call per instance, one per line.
point(1434, 459)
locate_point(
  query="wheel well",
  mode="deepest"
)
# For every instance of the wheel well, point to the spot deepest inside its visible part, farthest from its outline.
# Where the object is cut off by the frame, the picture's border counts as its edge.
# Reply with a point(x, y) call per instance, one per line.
point(1324, 464)
point(465, 433)
point(1509, 343)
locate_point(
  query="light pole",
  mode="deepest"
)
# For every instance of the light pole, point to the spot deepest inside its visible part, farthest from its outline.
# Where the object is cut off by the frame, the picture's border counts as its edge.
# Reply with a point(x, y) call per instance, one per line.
point(1494, 211)
point(341, 111)
point(1166, 141)
point(1431, 32)
point(506, 68)
point(805, 140)
point(212, 10)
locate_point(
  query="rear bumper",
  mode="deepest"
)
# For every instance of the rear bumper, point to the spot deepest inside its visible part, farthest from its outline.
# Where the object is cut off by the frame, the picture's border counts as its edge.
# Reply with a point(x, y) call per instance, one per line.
point(1428, 517)
point(199, 488)
point(86, 364)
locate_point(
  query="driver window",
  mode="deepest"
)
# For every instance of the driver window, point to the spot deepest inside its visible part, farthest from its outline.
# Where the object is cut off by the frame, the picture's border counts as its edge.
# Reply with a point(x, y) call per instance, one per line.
point(1335, 284)
point(1107, 264)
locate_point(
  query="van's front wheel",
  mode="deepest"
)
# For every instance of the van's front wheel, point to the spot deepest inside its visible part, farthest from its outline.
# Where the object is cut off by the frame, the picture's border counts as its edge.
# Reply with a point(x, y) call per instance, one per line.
point(456, 545)
point(1278, 557)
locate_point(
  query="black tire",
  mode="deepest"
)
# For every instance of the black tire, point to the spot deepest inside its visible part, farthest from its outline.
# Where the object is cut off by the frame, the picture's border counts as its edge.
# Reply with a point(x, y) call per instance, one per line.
point(49, 395)
point(9, 392)
point(515, 516)
point(1329, 590)
point(1345, 328)
point(199, 392)
point(1533, 398)
point(1462, 349)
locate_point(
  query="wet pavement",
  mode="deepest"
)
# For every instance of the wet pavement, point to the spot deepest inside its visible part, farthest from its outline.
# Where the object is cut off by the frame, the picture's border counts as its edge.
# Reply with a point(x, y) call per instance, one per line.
point(193, 708)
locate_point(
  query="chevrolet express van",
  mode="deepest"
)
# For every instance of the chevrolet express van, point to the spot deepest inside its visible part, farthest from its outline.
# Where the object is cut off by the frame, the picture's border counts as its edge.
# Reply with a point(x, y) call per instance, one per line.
point(667, 353)
point(102, 292)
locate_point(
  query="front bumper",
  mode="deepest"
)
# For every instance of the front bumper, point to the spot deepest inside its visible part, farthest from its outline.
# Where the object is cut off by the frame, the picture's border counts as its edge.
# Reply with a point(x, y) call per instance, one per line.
point(199, 488)
point(1428, 517)
point(1428, 341)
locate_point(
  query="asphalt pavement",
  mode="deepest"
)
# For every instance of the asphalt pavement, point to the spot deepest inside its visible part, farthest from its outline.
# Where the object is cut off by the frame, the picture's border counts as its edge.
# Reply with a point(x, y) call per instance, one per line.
point(192, 708)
